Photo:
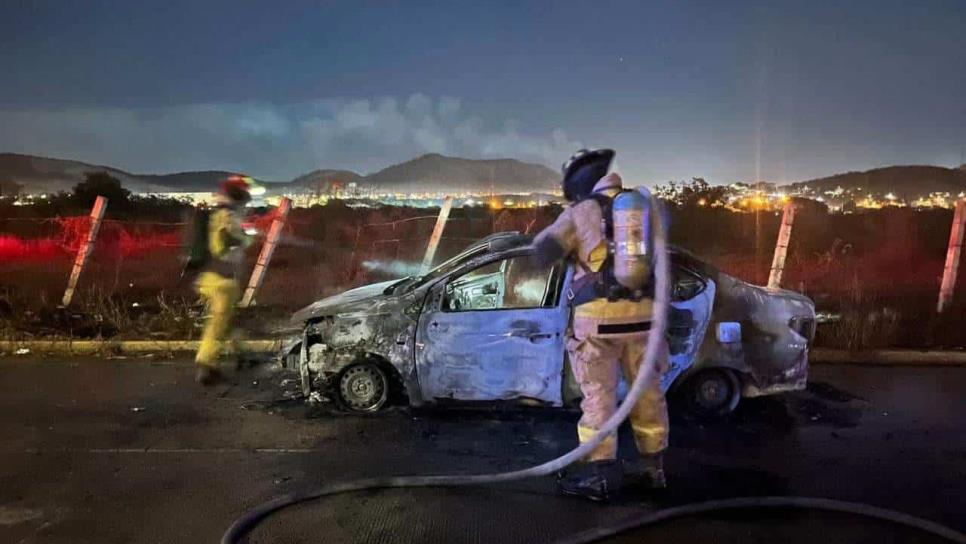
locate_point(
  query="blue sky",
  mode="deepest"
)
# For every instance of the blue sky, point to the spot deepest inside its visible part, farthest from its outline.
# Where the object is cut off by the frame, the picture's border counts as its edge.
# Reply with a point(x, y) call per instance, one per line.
point(782, 91)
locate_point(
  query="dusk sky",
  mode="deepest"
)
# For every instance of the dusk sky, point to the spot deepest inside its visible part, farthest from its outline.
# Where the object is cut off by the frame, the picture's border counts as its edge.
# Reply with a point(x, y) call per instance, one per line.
point(781, 91)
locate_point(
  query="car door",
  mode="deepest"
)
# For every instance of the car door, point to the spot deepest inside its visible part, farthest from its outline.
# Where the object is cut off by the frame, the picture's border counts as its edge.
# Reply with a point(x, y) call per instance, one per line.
point(494, 331)
point(692, 298)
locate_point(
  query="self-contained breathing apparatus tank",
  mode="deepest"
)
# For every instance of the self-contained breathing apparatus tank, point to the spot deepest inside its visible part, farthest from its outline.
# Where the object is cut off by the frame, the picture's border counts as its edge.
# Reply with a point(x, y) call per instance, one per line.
point(626, 224)
point(632, 243)
point(627, 272)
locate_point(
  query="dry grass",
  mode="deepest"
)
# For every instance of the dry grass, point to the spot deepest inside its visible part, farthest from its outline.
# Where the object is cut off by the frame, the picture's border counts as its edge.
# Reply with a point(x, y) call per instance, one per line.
point(879, 271)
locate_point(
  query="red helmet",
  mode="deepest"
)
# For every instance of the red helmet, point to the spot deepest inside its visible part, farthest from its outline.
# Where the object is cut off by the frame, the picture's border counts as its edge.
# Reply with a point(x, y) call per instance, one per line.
point(237, 188)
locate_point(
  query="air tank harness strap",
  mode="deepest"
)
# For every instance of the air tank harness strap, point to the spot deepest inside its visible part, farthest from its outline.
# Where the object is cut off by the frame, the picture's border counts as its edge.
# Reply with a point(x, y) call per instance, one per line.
point(584, 289)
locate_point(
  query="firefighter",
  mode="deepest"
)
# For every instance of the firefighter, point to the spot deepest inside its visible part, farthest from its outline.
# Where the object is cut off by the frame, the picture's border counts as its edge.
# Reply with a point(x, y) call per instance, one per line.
point(218, 282)
point(608, 333)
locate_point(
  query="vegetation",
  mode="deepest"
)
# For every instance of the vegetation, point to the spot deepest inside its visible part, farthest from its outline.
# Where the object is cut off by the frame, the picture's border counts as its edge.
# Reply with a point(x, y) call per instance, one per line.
point(122, 204)
point(99, 184)
point(693, 194)
point(877, 271)
point(9, 188)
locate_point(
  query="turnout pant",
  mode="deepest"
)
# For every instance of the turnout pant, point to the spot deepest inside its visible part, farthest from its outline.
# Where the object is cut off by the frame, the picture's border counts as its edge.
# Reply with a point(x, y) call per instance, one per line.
point(597, 362)
point(221, 295)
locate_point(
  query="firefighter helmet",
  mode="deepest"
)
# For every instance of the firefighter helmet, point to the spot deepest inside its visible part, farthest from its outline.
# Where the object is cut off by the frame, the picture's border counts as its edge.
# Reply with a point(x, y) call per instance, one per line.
point(239, 188)
point(583, 170)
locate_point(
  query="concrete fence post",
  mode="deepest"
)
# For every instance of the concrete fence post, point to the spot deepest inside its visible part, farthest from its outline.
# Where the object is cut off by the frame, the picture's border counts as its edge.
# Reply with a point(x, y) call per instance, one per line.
point(437, 234)
point(265, 256)
point(955, 251)
point(781, 246)
point(84, 251)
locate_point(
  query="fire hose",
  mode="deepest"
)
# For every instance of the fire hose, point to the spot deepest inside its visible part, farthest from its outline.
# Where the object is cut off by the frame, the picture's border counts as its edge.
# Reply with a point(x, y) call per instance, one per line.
point(244, 524)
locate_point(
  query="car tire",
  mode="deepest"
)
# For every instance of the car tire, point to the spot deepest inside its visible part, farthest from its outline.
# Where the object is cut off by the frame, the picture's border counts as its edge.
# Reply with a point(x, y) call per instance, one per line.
point(712, 392)
point(363, 388)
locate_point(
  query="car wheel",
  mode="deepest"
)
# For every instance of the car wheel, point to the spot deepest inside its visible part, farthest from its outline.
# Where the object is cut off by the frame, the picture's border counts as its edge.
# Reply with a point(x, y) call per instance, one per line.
point(363, 387)
point(713, 392)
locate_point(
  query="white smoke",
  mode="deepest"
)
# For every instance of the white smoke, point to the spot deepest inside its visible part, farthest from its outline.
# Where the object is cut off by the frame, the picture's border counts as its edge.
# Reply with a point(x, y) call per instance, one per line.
point(393, 268)
point(530, 292)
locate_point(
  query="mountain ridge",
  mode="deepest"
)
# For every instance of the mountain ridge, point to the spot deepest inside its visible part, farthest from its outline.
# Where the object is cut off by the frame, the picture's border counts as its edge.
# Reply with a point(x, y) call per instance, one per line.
point(433, 172)
point(433, 169)
point(905, 181)
point(429, 172)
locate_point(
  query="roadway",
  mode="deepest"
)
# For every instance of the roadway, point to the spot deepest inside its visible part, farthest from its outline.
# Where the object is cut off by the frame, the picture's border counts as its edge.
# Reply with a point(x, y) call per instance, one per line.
point(131, 450)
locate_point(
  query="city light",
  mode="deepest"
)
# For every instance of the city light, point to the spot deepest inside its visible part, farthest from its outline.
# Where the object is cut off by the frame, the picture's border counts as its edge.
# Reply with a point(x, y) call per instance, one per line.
point(737, 197)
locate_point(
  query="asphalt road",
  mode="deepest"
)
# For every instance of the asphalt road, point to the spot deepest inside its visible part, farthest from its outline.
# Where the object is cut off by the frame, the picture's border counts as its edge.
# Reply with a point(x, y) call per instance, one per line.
point(133, 451)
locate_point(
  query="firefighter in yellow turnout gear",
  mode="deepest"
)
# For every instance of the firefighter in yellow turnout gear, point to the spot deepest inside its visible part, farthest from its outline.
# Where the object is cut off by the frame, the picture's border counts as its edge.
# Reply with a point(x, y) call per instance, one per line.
point(608, 335)
point(218, 282)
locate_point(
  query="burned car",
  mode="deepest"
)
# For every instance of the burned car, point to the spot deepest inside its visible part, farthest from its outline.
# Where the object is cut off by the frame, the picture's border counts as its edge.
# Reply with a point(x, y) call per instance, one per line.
point(490, 324)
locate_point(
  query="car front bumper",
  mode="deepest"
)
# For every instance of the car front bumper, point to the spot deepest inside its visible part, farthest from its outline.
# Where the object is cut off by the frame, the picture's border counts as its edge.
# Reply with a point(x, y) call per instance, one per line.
point(794, 378)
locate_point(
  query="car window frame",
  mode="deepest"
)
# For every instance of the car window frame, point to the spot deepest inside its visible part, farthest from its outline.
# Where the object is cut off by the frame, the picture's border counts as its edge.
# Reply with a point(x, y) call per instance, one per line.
point(693, 273)
point(553, 276)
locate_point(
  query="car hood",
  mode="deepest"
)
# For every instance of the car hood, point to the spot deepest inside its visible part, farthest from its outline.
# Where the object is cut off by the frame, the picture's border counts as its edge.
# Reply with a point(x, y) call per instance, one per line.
point(343, 302)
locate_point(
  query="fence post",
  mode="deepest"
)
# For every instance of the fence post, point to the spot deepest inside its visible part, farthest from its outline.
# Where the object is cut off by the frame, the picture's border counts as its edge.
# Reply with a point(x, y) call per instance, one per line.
point(951, 269)
point(781, 246)
point(265, 256)
point(84, 251)
point(437, 233)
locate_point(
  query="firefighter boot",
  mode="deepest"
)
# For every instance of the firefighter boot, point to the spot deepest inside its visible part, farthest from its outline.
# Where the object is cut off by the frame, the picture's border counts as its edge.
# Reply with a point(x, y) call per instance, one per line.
point(646, 472)
point(596, 480)
point(208, 376)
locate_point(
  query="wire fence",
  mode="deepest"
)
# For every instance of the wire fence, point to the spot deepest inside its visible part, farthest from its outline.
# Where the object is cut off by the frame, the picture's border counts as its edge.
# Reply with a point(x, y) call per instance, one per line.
point(324, 251)
point(317, 255)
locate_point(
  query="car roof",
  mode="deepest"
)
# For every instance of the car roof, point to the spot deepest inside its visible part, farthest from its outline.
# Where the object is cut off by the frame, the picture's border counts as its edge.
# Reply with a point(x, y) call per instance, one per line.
point(504, 241)
point(499, 241)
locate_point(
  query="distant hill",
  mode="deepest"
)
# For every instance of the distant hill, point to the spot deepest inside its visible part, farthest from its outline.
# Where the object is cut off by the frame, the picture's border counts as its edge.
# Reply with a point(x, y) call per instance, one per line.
point(318, 181)
point(44, 175)
point(436, 172)
point(426, 173)
point(432, 173)
point(199, 181)
point(905, 181)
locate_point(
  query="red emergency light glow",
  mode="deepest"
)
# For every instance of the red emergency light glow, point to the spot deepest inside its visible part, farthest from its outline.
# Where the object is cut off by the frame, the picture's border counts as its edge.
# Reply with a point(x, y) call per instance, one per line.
point(15, 249)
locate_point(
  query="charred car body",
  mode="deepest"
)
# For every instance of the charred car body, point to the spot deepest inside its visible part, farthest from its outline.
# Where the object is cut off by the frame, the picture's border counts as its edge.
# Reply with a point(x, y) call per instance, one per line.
point(490, 325)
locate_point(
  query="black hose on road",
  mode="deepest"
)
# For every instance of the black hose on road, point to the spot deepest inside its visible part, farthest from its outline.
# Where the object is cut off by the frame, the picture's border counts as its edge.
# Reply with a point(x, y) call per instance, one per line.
point(598, 534)
point(247, 522)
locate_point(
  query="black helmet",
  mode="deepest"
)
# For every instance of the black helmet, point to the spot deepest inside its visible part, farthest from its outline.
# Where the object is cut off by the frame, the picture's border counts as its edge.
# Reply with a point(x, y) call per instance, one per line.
point(583, 170)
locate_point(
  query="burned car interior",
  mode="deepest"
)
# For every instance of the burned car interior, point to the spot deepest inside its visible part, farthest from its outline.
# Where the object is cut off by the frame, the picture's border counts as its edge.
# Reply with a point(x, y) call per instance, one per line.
point(516, 282)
